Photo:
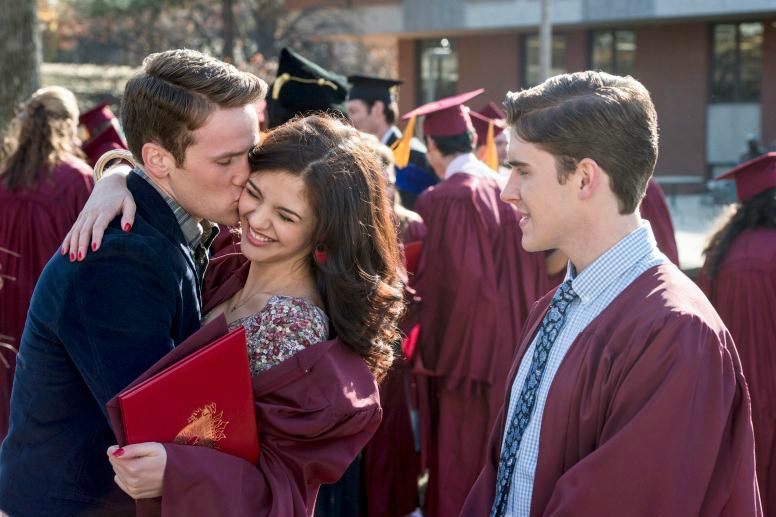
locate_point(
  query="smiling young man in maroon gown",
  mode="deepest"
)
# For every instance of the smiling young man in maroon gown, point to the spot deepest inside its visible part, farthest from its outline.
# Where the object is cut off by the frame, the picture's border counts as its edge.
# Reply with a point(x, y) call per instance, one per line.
point(739, 277)
point(626, 396)
point(476, 284)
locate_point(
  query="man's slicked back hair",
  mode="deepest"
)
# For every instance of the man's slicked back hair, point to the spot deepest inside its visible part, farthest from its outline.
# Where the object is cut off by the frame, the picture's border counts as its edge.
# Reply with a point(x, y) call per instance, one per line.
point(175, 93)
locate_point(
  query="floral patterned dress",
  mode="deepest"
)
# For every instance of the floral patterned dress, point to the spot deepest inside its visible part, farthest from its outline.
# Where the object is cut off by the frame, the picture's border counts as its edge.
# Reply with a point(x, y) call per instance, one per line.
point(285, 326)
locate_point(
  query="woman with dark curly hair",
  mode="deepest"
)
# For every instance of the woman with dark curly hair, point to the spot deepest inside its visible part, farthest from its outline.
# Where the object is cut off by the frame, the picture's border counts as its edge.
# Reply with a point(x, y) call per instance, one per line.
point(318, 289)
point(739, 277)
point(44, 183)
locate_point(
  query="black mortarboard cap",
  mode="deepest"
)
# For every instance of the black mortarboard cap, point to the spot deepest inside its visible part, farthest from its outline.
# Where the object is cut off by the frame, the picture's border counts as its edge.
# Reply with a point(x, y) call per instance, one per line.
point(370, 89)
point(302, 86)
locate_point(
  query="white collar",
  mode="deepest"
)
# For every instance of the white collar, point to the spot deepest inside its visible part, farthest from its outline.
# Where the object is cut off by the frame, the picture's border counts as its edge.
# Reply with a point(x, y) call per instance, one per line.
point(468, 163)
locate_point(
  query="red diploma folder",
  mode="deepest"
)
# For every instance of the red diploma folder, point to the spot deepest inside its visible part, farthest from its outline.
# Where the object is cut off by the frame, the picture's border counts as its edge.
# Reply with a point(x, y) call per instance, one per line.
point(204, 398)
point(412, 255)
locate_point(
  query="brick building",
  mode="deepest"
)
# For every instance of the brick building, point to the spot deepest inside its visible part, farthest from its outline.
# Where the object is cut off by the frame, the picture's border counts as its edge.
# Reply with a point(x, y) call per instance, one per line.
point(709, 64)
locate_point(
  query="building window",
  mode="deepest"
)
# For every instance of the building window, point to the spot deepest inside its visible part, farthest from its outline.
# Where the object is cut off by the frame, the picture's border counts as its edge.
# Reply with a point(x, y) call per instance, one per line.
point(736, 62)
point(613, 51)
point(531, 58)
point(438, 69)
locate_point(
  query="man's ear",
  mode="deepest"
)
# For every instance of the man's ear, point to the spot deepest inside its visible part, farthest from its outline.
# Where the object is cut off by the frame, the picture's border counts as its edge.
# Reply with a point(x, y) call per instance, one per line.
point(157, 161)
point(430, 144)
point(378, 109)
point(589, 177)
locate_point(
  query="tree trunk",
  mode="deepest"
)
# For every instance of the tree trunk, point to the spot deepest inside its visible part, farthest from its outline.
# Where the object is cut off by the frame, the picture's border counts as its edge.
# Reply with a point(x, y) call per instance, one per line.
point(19, 54)
point(228, 30)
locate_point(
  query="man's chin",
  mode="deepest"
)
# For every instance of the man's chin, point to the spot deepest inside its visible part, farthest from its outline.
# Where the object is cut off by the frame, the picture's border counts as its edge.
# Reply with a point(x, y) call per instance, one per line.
point(227, 219)
point(531, 246)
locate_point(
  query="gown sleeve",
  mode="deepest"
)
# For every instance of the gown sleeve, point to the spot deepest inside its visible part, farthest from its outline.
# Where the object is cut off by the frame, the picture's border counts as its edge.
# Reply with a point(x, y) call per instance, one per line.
point(300, 449)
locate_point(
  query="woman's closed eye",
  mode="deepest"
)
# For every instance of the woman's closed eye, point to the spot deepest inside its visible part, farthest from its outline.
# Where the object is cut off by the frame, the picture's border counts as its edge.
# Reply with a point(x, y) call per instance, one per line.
point(255, 194)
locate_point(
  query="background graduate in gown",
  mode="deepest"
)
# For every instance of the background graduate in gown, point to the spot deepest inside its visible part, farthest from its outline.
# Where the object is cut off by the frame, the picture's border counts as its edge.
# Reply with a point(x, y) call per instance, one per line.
point(739, 277)
point(476, 285)
point(44, 183)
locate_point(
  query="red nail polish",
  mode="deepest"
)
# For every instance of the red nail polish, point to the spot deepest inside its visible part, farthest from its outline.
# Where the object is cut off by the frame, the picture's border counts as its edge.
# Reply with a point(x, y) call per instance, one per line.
point(80, 255)
point(118, 452)
point(94, 246)
point(72, 256)
point(127, 227)
point(62, 251)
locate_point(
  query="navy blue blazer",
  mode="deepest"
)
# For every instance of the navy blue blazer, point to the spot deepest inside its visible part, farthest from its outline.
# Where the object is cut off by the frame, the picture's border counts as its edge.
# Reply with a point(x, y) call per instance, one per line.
point(92, 328)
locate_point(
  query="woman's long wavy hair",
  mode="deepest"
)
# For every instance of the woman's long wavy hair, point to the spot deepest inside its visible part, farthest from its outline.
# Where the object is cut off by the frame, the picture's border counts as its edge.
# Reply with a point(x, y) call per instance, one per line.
point(757, 212)
point(40, 136)
point(359, 282)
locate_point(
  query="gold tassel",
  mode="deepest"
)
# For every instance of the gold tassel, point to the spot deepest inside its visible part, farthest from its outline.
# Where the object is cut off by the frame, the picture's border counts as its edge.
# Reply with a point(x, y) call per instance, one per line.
point(401, 147)
point(490, 156)
point(282, 79)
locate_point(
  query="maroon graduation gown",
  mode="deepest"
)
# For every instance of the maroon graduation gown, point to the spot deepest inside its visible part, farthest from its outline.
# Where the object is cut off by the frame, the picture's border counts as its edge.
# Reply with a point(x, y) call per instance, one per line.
point(744, 294)
point(32, 225)
point(315, 411)
point(647, 415)
point(655, 210)
point(476, 284)
point(391, 464)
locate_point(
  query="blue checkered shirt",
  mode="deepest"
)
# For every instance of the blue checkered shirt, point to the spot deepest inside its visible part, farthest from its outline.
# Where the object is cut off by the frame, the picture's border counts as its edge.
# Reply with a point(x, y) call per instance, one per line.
point(596, 286)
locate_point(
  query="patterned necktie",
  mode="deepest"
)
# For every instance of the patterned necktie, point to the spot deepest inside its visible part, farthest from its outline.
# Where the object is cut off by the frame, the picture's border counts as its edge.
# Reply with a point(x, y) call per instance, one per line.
point(551, 326)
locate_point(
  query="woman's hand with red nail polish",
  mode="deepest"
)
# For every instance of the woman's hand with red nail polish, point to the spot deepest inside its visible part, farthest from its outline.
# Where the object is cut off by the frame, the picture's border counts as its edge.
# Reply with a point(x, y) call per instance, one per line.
point(139, 468)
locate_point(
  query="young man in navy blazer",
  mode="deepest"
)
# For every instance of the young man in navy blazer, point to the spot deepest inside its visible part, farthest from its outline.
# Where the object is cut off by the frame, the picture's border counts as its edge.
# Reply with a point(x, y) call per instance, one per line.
point(97, 321)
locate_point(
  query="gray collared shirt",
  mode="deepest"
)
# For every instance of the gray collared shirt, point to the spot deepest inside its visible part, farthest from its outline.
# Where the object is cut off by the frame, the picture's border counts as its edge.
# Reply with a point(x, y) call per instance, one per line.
point(198, 235)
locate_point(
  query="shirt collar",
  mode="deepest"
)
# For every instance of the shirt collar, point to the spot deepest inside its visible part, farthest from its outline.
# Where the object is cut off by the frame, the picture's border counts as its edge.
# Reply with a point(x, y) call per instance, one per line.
point(193, 230)
point(469, 164)
point(614, 263)
point(393, 130)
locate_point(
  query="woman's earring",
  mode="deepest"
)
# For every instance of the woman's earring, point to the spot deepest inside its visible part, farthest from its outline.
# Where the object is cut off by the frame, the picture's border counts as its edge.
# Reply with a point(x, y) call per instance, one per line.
point(319, 254)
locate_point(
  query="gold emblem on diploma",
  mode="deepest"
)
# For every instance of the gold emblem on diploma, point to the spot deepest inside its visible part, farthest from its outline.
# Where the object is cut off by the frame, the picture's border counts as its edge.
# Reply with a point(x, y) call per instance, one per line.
point(204, 427)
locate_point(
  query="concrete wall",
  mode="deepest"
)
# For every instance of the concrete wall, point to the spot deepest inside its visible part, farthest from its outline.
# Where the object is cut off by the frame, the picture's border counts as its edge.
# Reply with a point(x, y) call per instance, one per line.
point(414, 18)
point(672, 61)
point(305, 4)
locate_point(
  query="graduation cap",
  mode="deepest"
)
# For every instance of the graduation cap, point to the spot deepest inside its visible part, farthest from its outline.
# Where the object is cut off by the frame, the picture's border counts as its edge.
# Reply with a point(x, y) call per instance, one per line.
point(106, 141)
point(754, 176)
point(445, 117)
point(492, 110)
point(302, 86)
point(487, 130)
point(97, 118)
point(371, 89)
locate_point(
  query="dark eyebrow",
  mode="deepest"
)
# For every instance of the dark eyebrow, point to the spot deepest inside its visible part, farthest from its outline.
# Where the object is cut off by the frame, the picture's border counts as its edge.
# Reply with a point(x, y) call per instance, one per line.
point(516, 163)
point(281, 208)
